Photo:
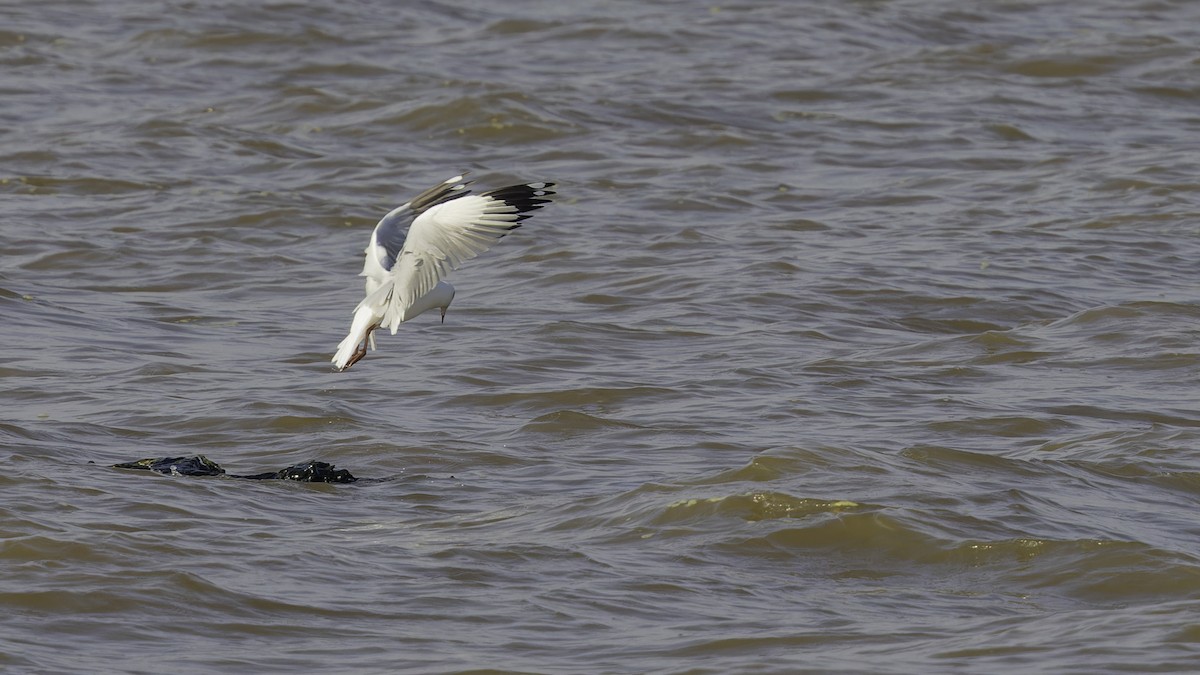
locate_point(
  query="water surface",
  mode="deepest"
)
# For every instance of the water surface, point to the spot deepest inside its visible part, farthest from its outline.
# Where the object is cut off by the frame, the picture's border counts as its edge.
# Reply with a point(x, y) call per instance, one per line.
point(862, 337)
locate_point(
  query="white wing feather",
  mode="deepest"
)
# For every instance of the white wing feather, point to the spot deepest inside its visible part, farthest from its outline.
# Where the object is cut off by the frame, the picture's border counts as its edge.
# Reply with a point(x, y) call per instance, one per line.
point(440, 240)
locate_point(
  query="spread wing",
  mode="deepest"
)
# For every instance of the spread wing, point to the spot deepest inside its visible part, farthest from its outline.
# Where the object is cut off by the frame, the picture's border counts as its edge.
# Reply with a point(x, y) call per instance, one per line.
point(452, 231)
point(388, 238)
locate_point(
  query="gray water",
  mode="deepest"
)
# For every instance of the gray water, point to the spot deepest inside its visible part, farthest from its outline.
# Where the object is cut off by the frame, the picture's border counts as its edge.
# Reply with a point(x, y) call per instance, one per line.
point(862, 337)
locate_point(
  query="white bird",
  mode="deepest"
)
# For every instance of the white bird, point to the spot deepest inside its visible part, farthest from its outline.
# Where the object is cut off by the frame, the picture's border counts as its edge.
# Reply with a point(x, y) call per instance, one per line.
point(446, 226)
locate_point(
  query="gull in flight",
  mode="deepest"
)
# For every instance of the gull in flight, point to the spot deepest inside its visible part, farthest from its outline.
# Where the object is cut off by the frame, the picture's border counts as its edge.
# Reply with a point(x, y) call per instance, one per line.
point(419, 242)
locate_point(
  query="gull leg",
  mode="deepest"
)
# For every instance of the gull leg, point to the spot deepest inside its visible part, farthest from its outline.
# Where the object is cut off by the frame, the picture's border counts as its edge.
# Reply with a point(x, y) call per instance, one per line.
point(361, 351)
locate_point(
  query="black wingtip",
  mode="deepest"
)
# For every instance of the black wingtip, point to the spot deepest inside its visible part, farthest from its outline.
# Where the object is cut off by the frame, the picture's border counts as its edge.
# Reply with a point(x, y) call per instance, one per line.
point(525, 197)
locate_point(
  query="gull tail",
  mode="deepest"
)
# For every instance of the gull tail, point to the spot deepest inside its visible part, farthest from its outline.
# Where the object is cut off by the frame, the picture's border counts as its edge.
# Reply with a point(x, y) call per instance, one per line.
point(354, 346)
point(346, 349)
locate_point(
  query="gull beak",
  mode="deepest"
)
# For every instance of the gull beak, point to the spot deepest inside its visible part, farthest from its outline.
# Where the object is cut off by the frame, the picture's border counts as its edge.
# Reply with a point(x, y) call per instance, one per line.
point(444, 314)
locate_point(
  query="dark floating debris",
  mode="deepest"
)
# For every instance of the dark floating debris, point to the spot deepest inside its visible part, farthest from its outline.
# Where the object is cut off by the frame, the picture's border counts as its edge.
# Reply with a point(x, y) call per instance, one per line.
point(198, 465)
point(309, 472)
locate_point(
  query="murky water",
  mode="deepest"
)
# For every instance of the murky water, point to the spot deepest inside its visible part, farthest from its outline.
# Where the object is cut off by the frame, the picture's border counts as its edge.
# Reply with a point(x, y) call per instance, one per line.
point(862, 337)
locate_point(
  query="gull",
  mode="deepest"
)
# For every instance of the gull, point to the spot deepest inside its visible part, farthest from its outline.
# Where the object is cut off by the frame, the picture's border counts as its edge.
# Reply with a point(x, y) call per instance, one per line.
point(422, 240)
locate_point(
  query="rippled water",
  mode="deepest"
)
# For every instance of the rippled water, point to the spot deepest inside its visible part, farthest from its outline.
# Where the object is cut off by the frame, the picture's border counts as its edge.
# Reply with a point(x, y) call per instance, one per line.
point(862, 337)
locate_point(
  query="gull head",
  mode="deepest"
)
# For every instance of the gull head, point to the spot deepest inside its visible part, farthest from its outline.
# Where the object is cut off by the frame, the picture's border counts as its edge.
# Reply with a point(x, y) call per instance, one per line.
point(439, 296)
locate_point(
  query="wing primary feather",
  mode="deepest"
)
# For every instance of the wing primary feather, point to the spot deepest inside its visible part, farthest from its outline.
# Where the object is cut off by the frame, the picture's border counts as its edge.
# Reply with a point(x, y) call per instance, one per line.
point(441, 193)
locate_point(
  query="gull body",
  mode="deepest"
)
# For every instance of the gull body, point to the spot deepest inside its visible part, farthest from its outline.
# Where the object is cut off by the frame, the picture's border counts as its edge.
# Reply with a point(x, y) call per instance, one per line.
point(422, 240)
